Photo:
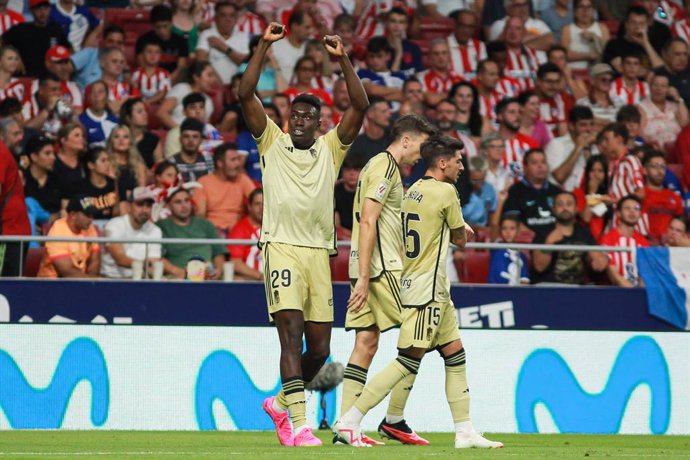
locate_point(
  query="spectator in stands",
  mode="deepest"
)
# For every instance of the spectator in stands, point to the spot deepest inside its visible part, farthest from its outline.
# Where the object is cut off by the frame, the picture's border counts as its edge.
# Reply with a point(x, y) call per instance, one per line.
point(345, 190)
point(554, 102)
point(531, 123)
point(658, 27)
point(468, 117)
point(181, 224)
point(68, 167)
point(677, 233)
point(202, 79)
point(479, 210)
point(100, 186)
point(185, 20)
point(305, 69)
point(152, 81)
point(133, 114)
point(175, 50)
point(128, 166)
point(406, 56)
point(248, 21)
point(599, 100)
point(14, 219)
point(341, 101)
point(522, 61)
point(377, 78)
point(325, 118)
point(223, 46)
point(57, 61)
point(488, 91)
point(537, 33)
point(508, 266)
point(248, 260)
point(12, 135)
point(112, 67)
point(246, 145)
point(323, 78)
point(531, 199)
point(377, 125)
point(10, 61)
point(557, 17)
point(97, 119)
point(567, 155)
point(498, 53)
point(44, 109)
point(631, 117)
point(465, 50)
point(322, 12)
point(635, 40)
point(190, 162)
point(575, 88)
point(585, 37)
point(622, 269)
point(40, 182)
point(493, 147)
point(288, 51)
point(446, 122)
point(33, 39)
point(165, 178)
point(87, 62)
point(675, 55)
point(193, 107)
point(660, 204)
point(516, 144)
point(225, 191)
point(439, 78)
point(567, 267)
point(344, 26)
point(664, 113)
point(592, 197)
point(271, 80)
point(80, 26)
point(136, 224)
point(70, 259)
point(628, 87)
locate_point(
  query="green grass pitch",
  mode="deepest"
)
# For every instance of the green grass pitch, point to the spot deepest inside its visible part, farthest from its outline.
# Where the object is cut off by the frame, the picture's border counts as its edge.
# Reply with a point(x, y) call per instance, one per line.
point(254, 445)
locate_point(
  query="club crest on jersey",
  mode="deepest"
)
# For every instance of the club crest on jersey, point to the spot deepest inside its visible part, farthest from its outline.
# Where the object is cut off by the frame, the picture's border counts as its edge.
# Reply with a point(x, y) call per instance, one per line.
point(381, 190)
point(276, 296)
point(312, 151)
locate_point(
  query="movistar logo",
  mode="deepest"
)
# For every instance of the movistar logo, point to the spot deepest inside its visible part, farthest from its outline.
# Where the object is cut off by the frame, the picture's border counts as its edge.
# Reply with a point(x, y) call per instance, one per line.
point(44, 408)
point(546, 378)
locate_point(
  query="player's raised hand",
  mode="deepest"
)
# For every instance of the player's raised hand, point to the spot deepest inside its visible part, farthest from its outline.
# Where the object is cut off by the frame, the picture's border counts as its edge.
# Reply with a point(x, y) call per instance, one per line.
point(274, 32)
point(334, 45)
point(359, 295)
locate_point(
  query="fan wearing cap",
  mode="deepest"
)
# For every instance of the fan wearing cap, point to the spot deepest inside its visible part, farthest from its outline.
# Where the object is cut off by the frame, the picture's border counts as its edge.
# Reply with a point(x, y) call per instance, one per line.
point(135, 225)
point(599, 100)
point(190, 162)
point(57, 61)
point(33, 39)
point(73, 259)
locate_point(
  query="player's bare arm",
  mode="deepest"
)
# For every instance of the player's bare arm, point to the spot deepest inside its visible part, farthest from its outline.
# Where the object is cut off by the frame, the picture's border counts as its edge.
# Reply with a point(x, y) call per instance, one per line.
point(371, 210)
point(460, 236)
point(253, 110)
point(352, 118)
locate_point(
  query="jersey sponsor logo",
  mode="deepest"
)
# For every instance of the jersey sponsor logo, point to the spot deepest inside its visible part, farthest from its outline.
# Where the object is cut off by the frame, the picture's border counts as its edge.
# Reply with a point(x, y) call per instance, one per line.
point(381, 190)
point(312, 152)
point(290, 149)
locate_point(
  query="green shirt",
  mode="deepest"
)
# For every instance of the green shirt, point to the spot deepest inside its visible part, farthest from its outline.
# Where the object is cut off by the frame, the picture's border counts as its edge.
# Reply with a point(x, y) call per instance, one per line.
point(192, 36)
point(179, 254)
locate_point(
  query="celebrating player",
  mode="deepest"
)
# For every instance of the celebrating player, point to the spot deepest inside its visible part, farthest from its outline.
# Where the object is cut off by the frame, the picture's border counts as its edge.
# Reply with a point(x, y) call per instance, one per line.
point(298, 230)
point(431, 219)
point(375, 267)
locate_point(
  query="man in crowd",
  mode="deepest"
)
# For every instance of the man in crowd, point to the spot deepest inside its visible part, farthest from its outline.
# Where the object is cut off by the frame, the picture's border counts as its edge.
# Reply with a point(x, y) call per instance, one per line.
point(224, 192)
point(537, 33)
point(136, 224)
point(508, 115)
point(439, 77)
point(345, 195)
point(174, 47)
point(181, 224)
point(554, 103)
point(634, 41)
point(406, 57)
point(675, 55)
point(375, 136)
point(71, 259)
point(57, 61)
point(628, 88)
point(487, 88)
point(193, 106)
point(40, 182)
point(287, 52)
point(190, 162)
point(44, 109)
point(465, 50)
point(660, 204)
point(87, 62)
point(568, 267)
point(522, 61)
point(248, 260)
point(567, 155)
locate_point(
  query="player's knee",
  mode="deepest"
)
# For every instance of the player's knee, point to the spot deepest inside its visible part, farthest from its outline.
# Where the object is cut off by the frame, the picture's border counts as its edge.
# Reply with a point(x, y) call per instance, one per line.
point(320, 354)
point(367, 344)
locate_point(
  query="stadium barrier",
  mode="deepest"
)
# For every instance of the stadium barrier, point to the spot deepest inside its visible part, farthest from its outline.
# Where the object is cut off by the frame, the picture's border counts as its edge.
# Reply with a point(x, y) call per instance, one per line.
point(212, 378)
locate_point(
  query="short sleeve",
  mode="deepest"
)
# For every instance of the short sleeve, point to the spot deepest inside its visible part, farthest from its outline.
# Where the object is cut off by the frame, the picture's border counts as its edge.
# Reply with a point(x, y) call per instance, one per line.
point(237, 251)
point(268, 137)
point(248, 186)
point(335, 145)
point(201, 194)
point(202, 44)
point(453, 211)
point(57, 249)
point(378, 177)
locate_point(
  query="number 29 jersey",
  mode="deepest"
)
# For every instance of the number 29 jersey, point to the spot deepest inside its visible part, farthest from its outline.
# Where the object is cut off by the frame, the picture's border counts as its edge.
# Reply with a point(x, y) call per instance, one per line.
point(430, 210)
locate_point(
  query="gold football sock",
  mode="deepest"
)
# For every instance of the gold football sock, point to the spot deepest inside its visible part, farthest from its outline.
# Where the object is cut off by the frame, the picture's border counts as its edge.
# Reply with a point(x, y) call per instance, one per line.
point(293, 388)
point(280, 400)
point(399, 395)
point(384, 381)
point(457, 392)
point(354, 379)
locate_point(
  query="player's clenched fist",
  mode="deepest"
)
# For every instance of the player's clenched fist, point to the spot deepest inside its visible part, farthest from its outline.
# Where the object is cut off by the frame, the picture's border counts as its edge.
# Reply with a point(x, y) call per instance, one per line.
point(274, 32)
point(334, 45)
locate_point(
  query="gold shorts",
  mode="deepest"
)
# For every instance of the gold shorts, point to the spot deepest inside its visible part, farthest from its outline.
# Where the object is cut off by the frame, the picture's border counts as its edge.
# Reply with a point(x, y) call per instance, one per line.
point(298, 278)
point(428, 327)
point(383, 307)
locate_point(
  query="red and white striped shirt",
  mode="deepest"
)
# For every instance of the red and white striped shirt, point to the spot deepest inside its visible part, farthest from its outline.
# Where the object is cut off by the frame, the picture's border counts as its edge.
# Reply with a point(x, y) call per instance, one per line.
point(624, 262)
point(487, 104)
point(626, 176)
point(555, 110)
point(628, 96)
point(464, 58)
point(251, 23)
point(681, 29)
point(121, 91)
point(8, 19)
point(250, 255)
point(150, 84)
point(515, 152)
point(508, 86)
point(369, 23)
point(523, 66)
point(69, 91)
point(15, 89)
point(434, 82)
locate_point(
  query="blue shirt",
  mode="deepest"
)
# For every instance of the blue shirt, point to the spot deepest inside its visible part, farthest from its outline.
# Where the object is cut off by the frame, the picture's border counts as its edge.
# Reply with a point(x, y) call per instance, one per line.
point(508, 266)
point(37, 215)
point(76, 24)
point(97, 129)
point(246, 144)
point(481, 204)
point(87, 67)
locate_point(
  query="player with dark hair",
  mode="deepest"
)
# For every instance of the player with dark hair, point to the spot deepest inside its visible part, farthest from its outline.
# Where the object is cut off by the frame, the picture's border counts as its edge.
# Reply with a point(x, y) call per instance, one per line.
point(298, 229)
point(432, 218)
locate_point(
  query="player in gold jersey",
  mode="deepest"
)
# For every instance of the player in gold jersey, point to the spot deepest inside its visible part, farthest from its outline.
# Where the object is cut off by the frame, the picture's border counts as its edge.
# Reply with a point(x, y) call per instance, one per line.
point(298, 229)
point(432, 218)
point(375, 266)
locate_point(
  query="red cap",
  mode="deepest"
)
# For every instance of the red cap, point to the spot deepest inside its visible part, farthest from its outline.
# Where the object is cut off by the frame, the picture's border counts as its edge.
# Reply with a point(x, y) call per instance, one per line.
point(35, 3)
point(57, 53)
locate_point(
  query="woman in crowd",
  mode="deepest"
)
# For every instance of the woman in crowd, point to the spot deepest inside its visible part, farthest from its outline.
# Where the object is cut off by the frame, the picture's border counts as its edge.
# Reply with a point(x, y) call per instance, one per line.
point(97, 119)
point(186, 16)
point(68, 167)
point(664, 113)
point(9, 64)
point(585, 37)
point(100, 185)
point(323, 79)
point(128, 165)
point(592, 197)
point(466, 99)
point(531, 124)
point(165, 176)
point(133, 114)
point(202, 79)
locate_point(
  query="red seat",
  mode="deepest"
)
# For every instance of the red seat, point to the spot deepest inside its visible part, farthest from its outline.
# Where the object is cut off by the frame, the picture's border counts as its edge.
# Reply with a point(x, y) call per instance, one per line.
point(340, 265)
point(475, 266)
point(161, 133)
point(430, 28)
point(613, 27)
point(126, 18)
point(32, 263)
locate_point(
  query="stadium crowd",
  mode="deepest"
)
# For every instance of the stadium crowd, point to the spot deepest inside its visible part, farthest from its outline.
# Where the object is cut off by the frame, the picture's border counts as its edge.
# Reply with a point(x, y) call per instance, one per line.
point(125, 122)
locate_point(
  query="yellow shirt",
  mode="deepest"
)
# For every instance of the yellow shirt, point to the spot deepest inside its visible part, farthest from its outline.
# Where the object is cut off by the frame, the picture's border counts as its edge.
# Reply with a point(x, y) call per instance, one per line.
point(380, 181)
point(298, 188)
point(78, 252)
point(430, 210)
